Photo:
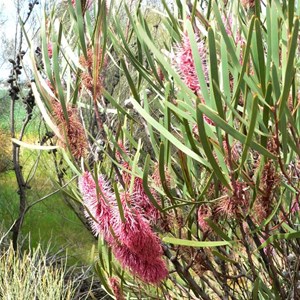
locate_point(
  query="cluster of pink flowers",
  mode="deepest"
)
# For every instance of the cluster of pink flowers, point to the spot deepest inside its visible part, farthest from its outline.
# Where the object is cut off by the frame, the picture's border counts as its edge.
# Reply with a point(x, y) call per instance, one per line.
point(185, 65)
point(132, 240)
point(73, 131)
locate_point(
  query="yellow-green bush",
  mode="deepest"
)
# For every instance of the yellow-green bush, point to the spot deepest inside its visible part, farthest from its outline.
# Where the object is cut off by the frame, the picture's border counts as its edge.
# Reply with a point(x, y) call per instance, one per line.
point(30, 276)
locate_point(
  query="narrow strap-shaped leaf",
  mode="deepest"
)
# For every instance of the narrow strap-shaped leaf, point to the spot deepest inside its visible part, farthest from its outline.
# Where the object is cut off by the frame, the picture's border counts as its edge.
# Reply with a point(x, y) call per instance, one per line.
point(186, 173)
point(146, 185)
point(226, 38)
point(199, 64)
point(80, 27)
point(120, 205)
point(130, 81)
point(290, 70)
point(195, 244)
point(291, 11)
point(162, 174)
point(223, 257)
point(207, 149)
point(245, 63)
point(214, 72)
point(252, 120)
point(279, 236)
point(217, 230)
point(261, 56)
point(266, 113)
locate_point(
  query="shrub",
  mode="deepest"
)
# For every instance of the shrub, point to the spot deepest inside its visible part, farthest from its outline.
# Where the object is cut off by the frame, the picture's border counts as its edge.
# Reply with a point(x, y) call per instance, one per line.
point(211, 189)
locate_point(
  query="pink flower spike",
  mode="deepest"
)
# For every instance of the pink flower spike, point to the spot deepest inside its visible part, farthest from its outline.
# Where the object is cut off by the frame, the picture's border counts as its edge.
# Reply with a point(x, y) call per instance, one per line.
point(148, 271)
point(184, 63)
point(98, 208)
point(136, 233)
point(153, 272)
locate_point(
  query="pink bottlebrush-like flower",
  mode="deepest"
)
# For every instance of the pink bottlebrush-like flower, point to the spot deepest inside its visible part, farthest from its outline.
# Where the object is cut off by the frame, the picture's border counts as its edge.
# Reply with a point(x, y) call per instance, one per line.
point(204, 212)
point(184, 63)
point(135, 232)
point(269, 180)
point(141, 202)
point(50, 50)
point(149, 271)
point(73, 131)
point(115, 286)
point(87, 76)
point(235, 204)
point(98, 206)
point(153, 272)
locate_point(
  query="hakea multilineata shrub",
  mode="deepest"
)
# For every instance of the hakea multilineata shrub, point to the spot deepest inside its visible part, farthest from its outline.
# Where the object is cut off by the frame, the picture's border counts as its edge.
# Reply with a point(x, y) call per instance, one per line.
point(132, 240)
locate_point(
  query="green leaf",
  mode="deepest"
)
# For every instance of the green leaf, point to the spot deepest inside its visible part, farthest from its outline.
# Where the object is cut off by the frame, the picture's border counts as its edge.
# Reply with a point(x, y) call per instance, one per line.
point(198, 63)
point(290, 69)
point(119, 202)
point(207, 149)
point(130, 82)
point(223, 257)
point(80, 27)
point(254, 111)
point(146, 186)
point(214, 73)
point(279, 236)
point(217, 230)
point(196, 244)
point(32, 146)
point(261, 56)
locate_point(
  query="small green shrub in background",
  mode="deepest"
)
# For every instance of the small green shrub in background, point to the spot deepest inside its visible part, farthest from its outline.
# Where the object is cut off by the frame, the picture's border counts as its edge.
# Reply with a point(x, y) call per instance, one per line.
point(30, 276)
